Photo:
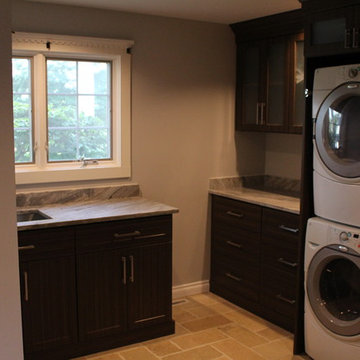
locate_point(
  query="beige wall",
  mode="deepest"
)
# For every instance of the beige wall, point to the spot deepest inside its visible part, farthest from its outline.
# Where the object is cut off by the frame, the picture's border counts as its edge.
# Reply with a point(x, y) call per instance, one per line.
point(10, 322)
point(283, 155)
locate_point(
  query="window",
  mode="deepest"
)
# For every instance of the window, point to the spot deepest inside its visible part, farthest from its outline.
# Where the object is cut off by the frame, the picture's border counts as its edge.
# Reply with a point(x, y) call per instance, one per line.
point(71, 99)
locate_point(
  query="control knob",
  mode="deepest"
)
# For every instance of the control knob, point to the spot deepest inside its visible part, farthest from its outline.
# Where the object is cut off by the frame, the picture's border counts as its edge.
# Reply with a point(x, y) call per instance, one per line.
point(353, 72)
point(344, 236)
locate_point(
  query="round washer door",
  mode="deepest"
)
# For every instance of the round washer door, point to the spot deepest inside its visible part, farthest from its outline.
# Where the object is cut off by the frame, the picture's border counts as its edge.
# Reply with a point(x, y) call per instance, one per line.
point(333, 290)
point(337, 132)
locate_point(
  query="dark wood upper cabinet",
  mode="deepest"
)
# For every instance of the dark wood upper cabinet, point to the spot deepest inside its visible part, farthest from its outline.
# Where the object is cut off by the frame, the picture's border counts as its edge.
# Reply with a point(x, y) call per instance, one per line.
point(270, 73)
point(332, 27)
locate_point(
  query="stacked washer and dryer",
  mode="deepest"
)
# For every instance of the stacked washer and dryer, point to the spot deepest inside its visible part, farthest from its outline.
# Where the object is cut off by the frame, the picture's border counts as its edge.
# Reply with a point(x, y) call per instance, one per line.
point(332, 249)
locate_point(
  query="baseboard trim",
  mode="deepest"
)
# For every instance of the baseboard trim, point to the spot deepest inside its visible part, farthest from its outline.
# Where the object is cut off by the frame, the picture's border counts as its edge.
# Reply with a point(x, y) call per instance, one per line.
point(194, 288)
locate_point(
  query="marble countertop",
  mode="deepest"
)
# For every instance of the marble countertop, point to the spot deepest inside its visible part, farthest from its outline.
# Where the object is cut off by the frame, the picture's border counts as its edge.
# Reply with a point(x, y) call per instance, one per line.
point(263, 198)
point(95, 211)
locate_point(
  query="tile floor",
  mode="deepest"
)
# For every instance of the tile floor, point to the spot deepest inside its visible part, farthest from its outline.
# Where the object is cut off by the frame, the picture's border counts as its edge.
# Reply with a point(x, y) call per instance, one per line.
point(208, 327)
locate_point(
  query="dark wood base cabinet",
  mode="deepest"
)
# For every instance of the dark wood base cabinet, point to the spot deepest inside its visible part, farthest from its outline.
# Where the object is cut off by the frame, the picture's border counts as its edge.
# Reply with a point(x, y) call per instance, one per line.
point(254, 258)
point(93, 287)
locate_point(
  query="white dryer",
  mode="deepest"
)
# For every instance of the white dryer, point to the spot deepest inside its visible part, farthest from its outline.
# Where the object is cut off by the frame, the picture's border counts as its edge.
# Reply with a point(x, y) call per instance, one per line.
point(332, 291)
point(336, 115)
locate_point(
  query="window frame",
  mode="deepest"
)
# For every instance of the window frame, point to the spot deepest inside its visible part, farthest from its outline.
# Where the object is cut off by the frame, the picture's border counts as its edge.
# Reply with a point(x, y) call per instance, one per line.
point(42, 46)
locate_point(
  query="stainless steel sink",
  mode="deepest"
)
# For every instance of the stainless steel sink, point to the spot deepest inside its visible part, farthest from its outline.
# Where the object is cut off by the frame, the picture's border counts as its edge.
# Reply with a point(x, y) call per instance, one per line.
point(31, 215)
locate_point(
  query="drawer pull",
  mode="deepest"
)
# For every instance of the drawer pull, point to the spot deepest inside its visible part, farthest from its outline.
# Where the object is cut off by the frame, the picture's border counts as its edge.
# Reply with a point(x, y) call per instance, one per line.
point(234, 214)
point(233, 277)
point(27, 247)
point(151, 236)
point(287, 263)
point(123, 259)
point(239, 246)
point(132, 275)
point(292, 230)
point(282, 298)
point(118, 236)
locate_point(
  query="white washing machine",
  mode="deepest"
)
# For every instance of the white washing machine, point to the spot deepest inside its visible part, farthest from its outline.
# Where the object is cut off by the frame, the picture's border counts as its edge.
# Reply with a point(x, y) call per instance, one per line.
point(332, 291)
point(336, 115)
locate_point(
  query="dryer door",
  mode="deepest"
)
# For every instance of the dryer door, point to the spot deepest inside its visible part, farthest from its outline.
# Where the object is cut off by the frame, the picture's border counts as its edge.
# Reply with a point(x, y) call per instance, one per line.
point(333, 289)
point(337, 132)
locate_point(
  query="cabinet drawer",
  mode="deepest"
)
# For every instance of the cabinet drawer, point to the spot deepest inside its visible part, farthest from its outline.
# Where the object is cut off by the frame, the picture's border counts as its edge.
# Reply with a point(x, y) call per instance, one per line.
point(236, 214)
point(280, 225)
point(115, 234)
point(35, 244)
point(240, 245)
point(241, 281)
point(279, 291)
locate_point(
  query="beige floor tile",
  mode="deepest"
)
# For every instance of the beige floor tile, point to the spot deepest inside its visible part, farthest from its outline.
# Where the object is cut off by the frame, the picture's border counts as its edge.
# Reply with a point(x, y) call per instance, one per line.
point(206, 299)
point(197, 339)
point(138, 353)
point(162, 348)
point(242, 335)
point(201, 311)
point(222, 308)
point(201, 353)
point(180, 330)
point(182, 315)
point(247, 320)
point(276, 350)
point(273, 332)
point(206, 323)
point(236, 351)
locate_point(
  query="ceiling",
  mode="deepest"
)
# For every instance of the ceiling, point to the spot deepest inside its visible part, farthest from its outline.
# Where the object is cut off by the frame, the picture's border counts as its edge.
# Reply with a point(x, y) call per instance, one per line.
point(217, 11)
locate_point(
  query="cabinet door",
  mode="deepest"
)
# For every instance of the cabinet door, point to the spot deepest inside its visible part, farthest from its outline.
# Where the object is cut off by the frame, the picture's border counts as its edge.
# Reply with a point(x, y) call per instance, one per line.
point(48, 298)
point(101, 278)
point(249, 89)
point(149, 285)
point(296, 109)
point(274, 108)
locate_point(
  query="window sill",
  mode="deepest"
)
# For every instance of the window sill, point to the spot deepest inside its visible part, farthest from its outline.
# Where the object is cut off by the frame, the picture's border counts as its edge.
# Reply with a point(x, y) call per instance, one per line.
point(34, 175)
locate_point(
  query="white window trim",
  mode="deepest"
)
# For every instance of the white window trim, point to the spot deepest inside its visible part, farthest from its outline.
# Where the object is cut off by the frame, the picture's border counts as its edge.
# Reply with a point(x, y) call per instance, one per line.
point(41, 46)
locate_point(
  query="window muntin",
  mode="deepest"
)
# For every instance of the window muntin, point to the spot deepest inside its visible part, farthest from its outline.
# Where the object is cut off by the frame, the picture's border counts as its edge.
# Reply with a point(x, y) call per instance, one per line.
point(78, 110)
point(22, 108)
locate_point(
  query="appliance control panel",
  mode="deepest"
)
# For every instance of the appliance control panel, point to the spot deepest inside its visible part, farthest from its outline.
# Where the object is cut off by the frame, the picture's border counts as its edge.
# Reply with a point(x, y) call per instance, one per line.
point(347, 236)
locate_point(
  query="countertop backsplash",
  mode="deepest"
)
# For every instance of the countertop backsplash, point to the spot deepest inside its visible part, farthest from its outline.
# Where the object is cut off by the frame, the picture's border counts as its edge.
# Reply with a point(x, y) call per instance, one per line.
point(268, 183)
point(39, 198)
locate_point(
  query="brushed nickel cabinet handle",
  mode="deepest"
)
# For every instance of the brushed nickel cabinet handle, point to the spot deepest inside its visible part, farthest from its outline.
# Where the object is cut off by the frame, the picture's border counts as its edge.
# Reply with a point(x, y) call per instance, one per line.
point(257, 113)
point(282, 298)
point(132, 275)
point(26, 247)
point(231, 243)
point(234, 214)
point(289, 229)
point(288, 263)
point(151, 236)
point(233, 277)
point(149, 319)
point(262, 108)
point(26, 286)
point(118, 236)
point(123, 259)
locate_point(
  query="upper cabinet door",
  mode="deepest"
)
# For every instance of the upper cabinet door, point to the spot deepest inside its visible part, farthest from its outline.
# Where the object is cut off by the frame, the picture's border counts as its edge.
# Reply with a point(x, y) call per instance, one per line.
point(270, 85)
point(274, 107)
point(249, 89)
point(296, 109)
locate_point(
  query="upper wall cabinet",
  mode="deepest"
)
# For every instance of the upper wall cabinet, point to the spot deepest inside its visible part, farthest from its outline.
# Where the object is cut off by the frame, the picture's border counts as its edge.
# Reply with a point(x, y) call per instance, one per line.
point(332, 27)
point(270, 73)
